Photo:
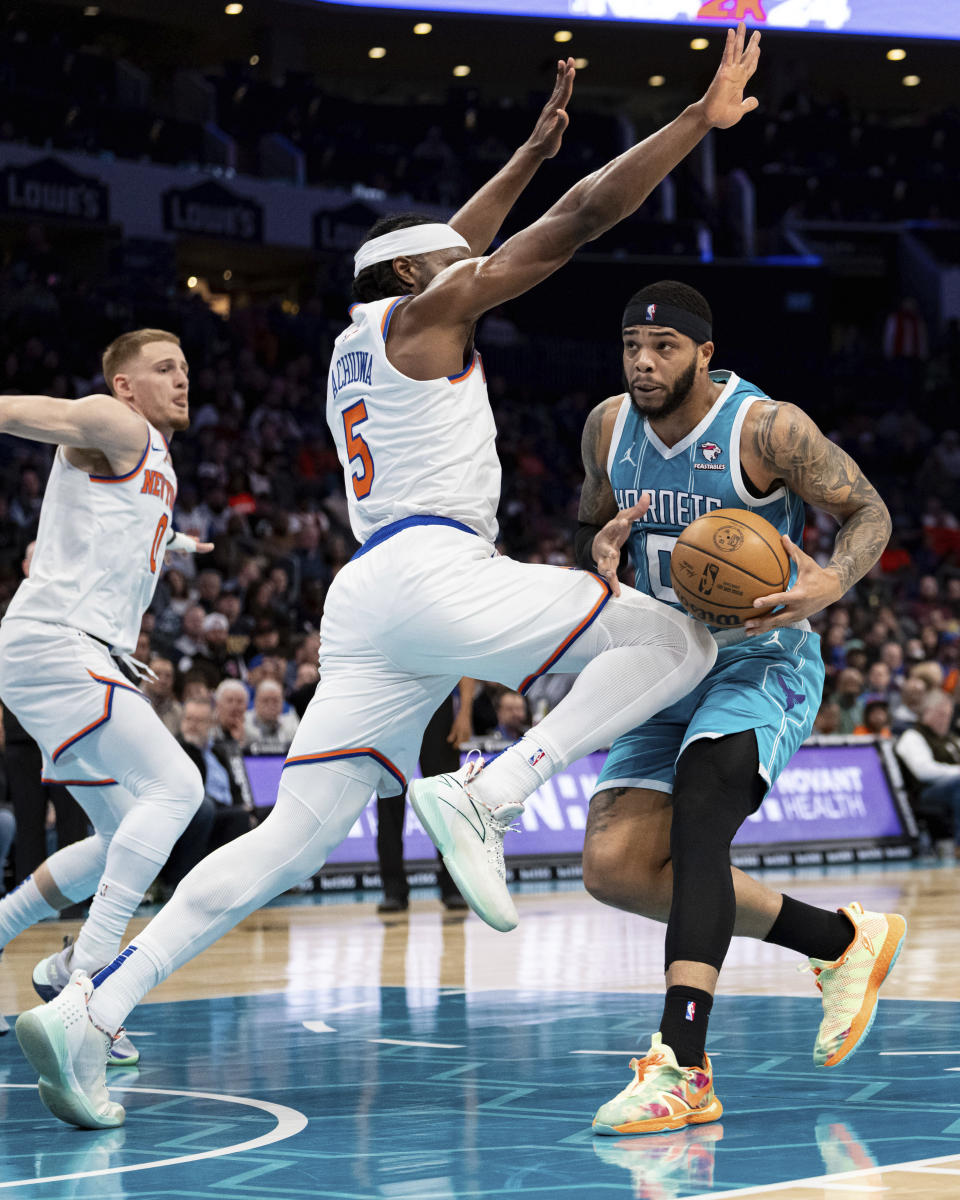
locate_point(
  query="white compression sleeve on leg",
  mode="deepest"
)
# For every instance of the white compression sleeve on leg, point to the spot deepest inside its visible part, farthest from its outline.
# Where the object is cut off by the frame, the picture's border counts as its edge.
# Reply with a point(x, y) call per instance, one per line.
point(638, 657)
point(315, 809)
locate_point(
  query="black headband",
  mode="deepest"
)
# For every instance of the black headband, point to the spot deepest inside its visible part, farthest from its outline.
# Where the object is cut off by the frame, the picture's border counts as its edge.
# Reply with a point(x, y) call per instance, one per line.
point(639, 312)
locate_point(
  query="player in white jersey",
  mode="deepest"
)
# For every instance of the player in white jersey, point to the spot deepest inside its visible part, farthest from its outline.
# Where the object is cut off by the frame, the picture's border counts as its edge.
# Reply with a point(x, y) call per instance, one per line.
point(427, 599)
point(105, 525)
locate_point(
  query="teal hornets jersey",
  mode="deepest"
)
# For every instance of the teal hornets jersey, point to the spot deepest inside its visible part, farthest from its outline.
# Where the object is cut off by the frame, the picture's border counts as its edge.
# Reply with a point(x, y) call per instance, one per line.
point(700, 473)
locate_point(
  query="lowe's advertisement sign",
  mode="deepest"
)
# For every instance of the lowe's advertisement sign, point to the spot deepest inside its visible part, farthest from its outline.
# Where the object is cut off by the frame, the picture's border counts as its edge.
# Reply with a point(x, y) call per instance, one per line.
point(909, 18)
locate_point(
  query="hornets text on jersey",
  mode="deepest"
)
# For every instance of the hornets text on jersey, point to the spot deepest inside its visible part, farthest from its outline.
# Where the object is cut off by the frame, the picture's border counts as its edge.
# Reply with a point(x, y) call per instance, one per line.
point(685, 481)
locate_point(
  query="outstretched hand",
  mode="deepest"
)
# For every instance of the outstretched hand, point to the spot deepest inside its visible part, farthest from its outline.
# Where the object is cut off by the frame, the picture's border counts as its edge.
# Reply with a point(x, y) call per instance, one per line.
point(553, 121)
point(723, 103)
point(608, 543)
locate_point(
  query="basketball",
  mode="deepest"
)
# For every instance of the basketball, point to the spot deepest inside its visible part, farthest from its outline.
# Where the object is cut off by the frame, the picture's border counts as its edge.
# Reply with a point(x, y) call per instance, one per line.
point(723, 561)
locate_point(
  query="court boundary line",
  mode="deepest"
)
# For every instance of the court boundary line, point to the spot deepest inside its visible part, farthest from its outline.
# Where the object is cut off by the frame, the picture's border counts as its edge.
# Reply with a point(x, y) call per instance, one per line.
point(289, 1122)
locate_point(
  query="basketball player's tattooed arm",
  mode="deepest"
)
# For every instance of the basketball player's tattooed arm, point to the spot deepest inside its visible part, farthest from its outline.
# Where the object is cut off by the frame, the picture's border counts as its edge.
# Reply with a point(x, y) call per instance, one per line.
point(785, 446)
point(598, 505)
point(481, 217)
point(100, 423)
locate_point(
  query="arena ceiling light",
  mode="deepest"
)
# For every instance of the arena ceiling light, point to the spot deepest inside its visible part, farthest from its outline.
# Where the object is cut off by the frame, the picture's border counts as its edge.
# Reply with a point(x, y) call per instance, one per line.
point(254, 59)
point(911, 81)
point(192, 281)
point(233, 10)
point(580, 63)
point(92, 10)
point(563, 35)
point(896, 54)
point(657, 80)
point(377, 52)
point(461, 71)
point(699, 44)
point(422, 28)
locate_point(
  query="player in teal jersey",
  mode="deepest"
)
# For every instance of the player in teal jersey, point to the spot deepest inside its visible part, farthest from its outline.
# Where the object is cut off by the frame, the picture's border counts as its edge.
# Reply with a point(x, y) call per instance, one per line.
point(682, 441)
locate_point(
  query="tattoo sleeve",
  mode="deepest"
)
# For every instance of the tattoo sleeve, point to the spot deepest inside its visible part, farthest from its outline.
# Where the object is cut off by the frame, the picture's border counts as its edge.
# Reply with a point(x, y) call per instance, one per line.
point(597, 502)
point(794, 449)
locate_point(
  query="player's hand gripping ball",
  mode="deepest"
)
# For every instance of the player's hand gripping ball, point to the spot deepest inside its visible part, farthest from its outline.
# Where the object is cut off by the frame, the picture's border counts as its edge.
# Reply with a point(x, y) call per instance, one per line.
point(723, 561)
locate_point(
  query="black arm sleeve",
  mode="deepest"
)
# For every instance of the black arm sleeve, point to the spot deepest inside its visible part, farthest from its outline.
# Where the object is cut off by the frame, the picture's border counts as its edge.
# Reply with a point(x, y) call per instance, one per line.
point(583, 545)
point(583, 548)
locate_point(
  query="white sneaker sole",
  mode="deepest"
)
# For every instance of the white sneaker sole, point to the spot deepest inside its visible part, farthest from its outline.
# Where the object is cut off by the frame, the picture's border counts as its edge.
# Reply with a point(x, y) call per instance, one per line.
point(43, 1040)
point(498, 913)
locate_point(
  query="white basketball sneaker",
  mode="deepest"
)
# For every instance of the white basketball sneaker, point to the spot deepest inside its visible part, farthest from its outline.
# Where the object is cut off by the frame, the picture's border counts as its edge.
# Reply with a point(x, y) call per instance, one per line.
point(69, 1053)
point(469, 835)
point(52, 974)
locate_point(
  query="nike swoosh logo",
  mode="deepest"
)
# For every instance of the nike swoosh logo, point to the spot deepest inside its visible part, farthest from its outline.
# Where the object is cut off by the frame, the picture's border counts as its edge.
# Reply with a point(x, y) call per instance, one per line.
point(153, 447)
point(694, 1096)
point(479, 829)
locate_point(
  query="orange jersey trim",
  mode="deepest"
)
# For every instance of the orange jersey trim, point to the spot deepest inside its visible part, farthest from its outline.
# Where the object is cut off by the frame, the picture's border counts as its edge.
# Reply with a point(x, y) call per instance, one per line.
point(353, 752)
point(130, 474)
point(79, 782)
point(572, 637)
point(111, 685)
point(467, 371)
point(385, 321)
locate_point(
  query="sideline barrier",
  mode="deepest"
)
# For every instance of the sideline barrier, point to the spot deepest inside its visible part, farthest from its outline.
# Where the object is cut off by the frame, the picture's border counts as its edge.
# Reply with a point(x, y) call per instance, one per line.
point(840, 800)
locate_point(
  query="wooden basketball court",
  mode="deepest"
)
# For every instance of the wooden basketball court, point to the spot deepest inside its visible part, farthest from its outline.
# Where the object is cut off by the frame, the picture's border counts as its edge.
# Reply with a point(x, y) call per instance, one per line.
point(322, 1050)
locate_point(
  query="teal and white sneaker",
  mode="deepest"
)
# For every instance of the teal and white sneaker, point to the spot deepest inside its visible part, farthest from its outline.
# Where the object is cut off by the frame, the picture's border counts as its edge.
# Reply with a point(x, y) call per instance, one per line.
point(52, 974)
point(123, 1053)
point(469, 835)
point(69, 1053)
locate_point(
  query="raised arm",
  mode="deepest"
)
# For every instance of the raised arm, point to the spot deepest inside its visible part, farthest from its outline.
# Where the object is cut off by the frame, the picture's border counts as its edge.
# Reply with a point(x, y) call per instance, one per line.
point(483, 214)
point(788, 447)
point(459, 295)
point(100, 423)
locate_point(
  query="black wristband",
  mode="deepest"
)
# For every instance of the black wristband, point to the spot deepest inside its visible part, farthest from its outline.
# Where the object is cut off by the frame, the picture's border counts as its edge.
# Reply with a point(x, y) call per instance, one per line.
point(583, 545)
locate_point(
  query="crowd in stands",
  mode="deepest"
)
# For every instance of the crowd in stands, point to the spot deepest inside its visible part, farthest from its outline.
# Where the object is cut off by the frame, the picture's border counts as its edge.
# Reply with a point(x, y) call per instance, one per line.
point(69, 86)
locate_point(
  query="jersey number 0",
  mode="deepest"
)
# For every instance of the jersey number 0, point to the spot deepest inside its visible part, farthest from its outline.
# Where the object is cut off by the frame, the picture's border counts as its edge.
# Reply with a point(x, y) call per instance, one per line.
point(357, 448)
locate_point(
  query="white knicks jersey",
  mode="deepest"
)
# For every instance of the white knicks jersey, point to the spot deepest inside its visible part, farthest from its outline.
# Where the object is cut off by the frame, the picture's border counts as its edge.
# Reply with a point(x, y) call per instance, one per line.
point(100, 546)
point(409, 447)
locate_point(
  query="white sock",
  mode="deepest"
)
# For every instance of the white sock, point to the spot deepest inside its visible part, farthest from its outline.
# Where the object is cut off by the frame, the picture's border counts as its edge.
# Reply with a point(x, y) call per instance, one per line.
point(517, 772)
point(99, 939)
point(109, 1005)
point(22, 908)
point(615, 692)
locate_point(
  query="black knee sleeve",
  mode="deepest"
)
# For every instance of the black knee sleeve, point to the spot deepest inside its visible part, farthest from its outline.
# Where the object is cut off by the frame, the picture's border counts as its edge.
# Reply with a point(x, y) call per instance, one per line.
point(717, 786)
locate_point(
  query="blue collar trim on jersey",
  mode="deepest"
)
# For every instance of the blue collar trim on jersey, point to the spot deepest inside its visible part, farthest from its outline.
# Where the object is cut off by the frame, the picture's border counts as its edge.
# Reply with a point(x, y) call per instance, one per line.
point(388, 531)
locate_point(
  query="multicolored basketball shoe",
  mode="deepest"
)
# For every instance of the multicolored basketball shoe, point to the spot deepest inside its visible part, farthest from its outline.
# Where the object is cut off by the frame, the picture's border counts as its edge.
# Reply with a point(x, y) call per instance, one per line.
point(850, 984)
point(662, 1095)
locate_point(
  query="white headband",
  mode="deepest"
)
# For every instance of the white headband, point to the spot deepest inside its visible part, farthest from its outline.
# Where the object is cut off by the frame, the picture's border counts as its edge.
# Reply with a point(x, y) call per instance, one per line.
point(417, 239)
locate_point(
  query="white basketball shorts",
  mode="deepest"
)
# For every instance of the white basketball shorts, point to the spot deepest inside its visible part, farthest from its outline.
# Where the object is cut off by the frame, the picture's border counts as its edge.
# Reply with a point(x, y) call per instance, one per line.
point(62, 686)
point(406, 619)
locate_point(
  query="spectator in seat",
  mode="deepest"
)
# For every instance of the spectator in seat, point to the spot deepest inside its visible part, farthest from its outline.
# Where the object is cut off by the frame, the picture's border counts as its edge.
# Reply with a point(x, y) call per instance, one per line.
point(223, 814)
point(230, 708)
point(930, 757)
point(269, 730)
point(847, 696)
point(876, 717)
point(160, 693)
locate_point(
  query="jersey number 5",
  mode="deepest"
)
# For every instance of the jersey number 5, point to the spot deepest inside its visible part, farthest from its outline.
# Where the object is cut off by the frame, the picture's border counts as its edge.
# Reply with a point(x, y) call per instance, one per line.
point(357, 448)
